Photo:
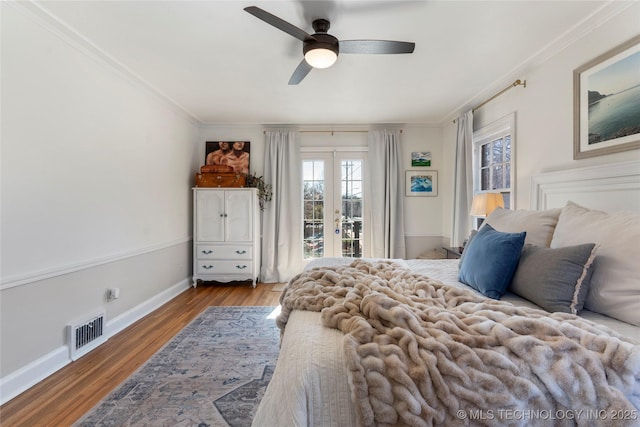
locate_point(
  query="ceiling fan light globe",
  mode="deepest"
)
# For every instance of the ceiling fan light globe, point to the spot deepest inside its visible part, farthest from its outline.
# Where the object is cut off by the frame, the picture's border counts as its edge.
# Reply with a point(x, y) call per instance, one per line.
point(320, 57)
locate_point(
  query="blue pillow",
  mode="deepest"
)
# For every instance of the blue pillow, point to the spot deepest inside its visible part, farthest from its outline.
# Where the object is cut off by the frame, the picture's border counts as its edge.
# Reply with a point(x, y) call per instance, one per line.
point(490, 261)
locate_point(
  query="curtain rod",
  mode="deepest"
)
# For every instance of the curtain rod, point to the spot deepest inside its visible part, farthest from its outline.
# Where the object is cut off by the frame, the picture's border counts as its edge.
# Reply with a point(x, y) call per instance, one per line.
point(512, 85)
point(331, 131)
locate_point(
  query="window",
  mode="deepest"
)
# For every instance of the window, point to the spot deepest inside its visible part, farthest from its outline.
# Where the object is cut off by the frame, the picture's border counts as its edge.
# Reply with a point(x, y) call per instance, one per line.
point(495, 165)
point(493, 151)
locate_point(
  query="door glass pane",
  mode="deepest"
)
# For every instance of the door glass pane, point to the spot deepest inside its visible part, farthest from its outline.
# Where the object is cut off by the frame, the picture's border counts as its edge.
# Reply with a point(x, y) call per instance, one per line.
point(351, 197)
point(314, 200)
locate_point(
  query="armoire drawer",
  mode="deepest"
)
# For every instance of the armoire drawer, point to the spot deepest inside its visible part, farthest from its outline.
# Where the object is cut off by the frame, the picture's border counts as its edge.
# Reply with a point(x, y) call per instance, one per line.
point(223, 252)
point(224, 267)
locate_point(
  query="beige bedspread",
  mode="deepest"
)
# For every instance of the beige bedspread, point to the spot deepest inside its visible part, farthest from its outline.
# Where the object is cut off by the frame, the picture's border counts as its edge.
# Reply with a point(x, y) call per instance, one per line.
point(422, 353)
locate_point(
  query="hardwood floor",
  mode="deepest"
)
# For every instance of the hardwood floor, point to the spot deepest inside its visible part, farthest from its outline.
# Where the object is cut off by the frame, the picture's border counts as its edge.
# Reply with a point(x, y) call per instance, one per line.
point(67, 395)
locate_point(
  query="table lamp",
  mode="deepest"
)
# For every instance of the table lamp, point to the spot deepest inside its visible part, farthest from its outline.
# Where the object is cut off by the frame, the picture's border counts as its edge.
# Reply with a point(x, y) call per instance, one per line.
point(485, 203)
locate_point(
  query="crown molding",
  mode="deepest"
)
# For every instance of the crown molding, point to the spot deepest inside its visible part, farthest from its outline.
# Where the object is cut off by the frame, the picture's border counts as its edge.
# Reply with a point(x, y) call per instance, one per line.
point(47, 20)
point(599, 17)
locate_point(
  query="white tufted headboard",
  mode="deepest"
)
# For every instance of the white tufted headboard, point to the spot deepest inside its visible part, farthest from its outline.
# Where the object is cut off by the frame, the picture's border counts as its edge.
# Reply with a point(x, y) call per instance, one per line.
point(610, 188)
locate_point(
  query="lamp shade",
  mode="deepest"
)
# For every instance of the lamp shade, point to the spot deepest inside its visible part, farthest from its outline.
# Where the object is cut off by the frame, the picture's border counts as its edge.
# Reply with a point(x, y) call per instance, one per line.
point(485, 203)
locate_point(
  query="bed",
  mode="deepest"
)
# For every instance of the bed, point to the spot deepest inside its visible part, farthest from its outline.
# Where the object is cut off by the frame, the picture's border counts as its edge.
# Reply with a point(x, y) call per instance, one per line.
point(404, 342)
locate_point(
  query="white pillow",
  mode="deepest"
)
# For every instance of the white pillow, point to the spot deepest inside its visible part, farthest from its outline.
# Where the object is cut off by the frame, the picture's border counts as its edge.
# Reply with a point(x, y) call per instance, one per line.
point(615, 283)
point(539, 225)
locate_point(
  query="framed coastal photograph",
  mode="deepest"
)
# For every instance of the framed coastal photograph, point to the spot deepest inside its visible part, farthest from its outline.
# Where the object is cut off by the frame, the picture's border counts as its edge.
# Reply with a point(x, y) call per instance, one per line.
point(230, 153)
point(421, 183)
point(606, 102)
point(420, 158)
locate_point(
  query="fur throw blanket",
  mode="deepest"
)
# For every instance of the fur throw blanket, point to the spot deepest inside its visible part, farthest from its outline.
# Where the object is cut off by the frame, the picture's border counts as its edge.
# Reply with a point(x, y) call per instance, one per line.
point(421, 353)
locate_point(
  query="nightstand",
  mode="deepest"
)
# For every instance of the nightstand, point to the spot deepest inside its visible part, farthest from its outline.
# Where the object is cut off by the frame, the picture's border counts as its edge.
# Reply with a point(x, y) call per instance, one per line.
point(452, 253)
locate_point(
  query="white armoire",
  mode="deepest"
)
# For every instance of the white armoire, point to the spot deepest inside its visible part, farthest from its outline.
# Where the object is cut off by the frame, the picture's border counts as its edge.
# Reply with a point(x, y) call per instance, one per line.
point(226, 234)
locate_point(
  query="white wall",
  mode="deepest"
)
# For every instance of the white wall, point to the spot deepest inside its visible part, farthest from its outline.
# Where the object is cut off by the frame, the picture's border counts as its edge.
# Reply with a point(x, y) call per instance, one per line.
point(544, 109)
point(423, 215)
point(96, 176)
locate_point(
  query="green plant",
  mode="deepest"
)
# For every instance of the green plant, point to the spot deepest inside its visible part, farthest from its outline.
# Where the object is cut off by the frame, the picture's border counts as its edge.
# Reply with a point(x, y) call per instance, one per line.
point(265, 191)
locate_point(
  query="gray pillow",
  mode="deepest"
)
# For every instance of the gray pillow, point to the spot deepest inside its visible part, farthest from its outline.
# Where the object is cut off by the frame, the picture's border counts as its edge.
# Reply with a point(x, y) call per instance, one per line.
point(555, 279)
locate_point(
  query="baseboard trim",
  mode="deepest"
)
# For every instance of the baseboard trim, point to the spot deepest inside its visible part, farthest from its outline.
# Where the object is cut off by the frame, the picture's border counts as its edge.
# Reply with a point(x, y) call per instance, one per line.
point(31, 374)
point(127, 318)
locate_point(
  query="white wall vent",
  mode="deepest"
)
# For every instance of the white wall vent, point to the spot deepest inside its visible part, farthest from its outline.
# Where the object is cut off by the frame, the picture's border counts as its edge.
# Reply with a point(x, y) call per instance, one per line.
point(86, 335)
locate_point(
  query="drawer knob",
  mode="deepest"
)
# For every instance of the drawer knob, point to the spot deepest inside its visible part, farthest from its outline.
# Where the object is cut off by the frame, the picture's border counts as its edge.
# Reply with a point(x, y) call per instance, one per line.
point(241, 252)
point(241, 267)
point(207, 267)
point(207, 252)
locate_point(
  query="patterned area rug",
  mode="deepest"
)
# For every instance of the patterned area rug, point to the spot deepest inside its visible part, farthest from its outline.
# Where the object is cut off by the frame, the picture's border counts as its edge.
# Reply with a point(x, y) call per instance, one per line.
point(214, 372)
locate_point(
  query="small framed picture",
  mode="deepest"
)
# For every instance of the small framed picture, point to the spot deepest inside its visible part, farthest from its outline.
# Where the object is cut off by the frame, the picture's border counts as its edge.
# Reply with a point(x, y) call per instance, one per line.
point(421, 158)
point(421, 183)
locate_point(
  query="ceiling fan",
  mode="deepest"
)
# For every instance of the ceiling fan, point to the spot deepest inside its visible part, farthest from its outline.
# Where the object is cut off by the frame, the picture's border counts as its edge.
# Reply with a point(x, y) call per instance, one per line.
point(321, 49)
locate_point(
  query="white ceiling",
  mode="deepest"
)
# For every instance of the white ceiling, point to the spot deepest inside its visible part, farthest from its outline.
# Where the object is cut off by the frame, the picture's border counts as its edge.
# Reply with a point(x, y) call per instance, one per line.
point(224, 66)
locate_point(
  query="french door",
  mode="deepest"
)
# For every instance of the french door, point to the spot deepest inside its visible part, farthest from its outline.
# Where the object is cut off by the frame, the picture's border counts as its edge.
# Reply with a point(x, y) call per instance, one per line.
point(334, 205)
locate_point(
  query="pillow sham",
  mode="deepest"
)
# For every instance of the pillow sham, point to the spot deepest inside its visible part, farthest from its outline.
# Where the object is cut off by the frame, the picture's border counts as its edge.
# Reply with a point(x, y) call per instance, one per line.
point(614, 289)
point(490, 261)
point(539, 225)
point(554, 279)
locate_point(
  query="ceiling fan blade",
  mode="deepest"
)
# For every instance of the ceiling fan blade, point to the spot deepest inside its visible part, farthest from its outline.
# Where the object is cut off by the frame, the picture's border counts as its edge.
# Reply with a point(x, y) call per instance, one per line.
point(279, 23)
point(300, 73)
point(375, 46)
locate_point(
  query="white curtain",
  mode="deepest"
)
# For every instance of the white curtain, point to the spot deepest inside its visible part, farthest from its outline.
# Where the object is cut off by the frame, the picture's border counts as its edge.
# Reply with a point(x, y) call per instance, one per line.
point(463, 180)
point(282, 217)
point(386, 190)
